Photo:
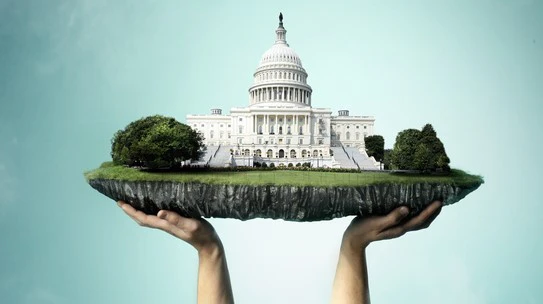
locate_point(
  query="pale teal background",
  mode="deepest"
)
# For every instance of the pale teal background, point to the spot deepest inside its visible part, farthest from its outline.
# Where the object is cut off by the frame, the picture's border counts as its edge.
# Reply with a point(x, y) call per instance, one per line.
point(74, 72)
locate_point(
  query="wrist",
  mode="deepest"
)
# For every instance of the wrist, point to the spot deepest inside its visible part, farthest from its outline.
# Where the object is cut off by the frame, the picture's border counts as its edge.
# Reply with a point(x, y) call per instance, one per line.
point(352, 246)
point(211, 251)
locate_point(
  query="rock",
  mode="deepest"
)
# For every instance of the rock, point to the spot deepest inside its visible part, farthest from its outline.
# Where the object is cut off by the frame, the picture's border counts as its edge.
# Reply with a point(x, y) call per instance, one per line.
point(289, 203)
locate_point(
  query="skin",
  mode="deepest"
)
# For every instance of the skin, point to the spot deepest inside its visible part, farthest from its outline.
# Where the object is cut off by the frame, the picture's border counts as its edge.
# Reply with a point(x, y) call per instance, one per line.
point(351, 280)
point(213, 278)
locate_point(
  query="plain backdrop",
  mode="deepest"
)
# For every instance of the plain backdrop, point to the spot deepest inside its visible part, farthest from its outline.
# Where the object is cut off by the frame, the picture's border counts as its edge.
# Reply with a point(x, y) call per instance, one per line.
point(74, 72)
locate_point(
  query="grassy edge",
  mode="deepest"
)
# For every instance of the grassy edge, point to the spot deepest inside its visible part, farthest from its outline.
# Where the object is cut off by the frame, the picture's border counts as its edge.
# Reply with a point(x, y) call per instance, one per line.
point(331, 179)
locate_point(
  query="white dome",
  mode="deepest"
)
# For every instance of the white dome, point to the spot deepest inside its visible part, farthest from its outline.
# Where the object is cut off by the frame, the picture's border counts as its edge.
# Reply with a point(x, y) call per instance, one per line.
point(280, 53)
point(280, 76)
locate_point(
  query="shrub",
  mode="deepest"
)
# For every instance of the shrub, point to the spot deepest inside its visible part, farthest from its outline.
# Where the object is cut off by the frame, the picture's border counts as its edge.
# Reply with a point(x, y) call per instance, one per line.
point(290, 165)
point(419, 150)
point(156, 142)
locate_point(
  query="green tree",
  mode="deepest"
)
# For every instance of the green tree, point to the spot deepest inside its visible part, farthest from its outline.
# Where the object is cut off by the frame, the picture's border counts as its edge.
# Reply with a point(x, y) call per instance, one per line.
point(419, 150)
point(387, 159)
point(404, 149)
point(375, 146)
point(422, 159)
point(156, 142)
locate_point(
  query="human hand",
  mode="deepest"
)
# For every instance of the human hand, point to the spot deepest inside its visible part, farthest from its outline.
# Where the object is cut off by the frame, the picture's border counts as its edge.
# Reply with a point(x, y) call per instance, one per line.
point(362, 231)
point(197, 232)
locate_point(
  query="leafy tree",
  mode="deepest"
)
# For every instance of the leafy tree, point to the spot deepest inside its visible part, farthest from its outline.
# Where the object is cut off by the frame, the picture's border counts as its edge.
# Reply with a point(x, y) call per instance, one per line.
point(375, 146)
point(419, 150)
point(428, 131)
point(387, 159)
point(422, 158)
point(404, 149)
point(156, 142)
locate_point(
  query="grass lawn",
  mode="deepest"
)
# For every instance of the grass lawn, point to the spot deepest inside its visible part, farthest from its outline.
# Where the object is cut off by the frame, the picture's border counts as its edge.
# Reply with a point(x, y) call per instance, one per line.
point(282, 177)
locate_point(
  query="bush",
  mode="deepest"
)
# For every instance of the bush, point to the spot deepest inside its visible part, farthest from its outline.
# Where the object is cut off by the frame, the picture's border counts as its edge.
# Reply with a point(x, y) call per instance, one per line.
point(156, 142)
point(298, 165)
point(264, 165)
point(272, 165)
point(419, 150)
point(290, 165)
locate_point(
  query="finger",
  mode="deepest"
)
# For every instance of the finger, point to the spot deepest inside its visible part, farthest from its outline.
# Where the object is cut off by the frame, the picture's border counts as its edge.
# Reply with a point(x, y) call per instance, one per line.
point(140, 217)
point(129, 210)
point(392, 232)
point(429, 221)
point(426, 216)
point(174, 223)
point(393, 218)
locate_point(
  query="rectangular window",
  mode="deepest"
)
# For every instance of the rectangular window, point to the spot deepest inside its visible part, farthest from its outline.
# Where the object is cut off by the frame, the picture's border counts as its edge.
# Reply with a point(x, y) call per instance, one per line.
point(301, 141)
point(240, 140)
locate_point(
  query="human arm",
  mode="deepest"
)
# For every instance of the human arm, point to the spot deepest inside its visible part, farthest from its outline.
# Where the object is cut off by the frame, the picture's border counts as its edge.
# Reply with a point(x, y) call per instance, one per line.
point(213, 278)
point(351, 279)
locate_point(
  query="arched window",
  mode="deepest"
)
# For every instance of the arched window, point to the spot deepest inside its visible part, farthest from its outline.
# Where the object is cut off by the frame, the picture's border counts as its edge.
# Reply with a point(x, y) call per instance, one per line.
point(315, 153)
point(258, 152)
point(304, 153)
point(301, 130)
point(288, 129)
point(280, 130)
point(271, 130)
point(246, 152)
point(269, 154)
point(260, 129)
point(292, 153)
point(281, 153)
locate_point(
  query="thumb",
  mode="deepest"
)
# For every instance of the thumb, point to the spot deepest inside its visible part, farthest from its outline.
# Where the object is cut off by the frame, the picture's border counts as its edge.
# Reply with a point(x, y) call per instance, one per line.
point(394, 217)
point(170, 216)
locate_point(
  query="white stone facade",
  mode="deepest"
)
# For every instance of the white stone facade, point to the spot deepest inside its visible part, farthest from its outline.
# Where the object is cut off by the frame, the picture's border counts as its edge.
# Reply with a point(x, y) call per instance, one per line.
point(280, 125)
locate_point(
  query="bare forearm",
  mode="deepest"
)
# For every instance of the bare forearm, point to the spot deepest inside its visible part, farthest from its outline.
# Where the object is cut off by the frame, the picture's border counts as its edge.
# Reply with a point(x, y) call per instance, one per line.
point(213, 278)
point(351, 280)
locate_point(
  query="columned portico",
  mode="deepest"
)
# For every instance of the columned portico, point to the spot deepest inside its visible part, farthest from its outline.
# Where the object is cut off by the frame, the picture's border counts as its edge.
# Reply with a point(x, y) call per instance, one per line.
point(280, 126)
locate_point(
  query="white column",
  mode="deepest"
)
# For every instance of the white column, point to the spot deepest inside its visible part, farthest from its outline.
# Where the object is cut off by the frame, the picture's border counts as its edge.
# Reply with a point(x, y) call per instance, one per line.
point(295, 124)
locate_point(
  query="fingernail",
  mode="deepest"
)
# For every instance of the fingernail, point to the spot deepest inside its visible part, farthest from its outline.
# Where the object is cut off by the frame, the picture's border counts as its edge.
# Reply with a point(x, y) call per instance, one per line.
point(162, 215)
point(404, 211)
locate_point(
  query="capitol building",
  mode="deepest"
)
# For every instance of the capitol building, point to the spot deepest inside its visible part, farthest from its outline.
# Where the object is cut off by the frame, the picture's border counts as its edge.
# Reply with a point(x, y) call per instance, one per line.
point(280, 126)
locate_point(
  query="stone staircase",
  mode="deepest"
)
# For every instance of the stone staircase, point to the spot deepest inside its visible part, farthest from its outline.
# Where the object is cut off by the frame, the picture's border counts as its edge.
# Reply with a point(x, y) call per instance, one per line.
point(361, 159)
point(342, 158)
point(221, 157)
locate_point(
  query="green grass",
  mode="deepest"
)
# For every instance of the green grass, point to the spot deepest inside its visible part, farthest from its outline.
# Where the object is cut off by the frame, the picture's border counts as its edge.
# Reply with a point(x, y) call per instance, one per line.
point(281, 177)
